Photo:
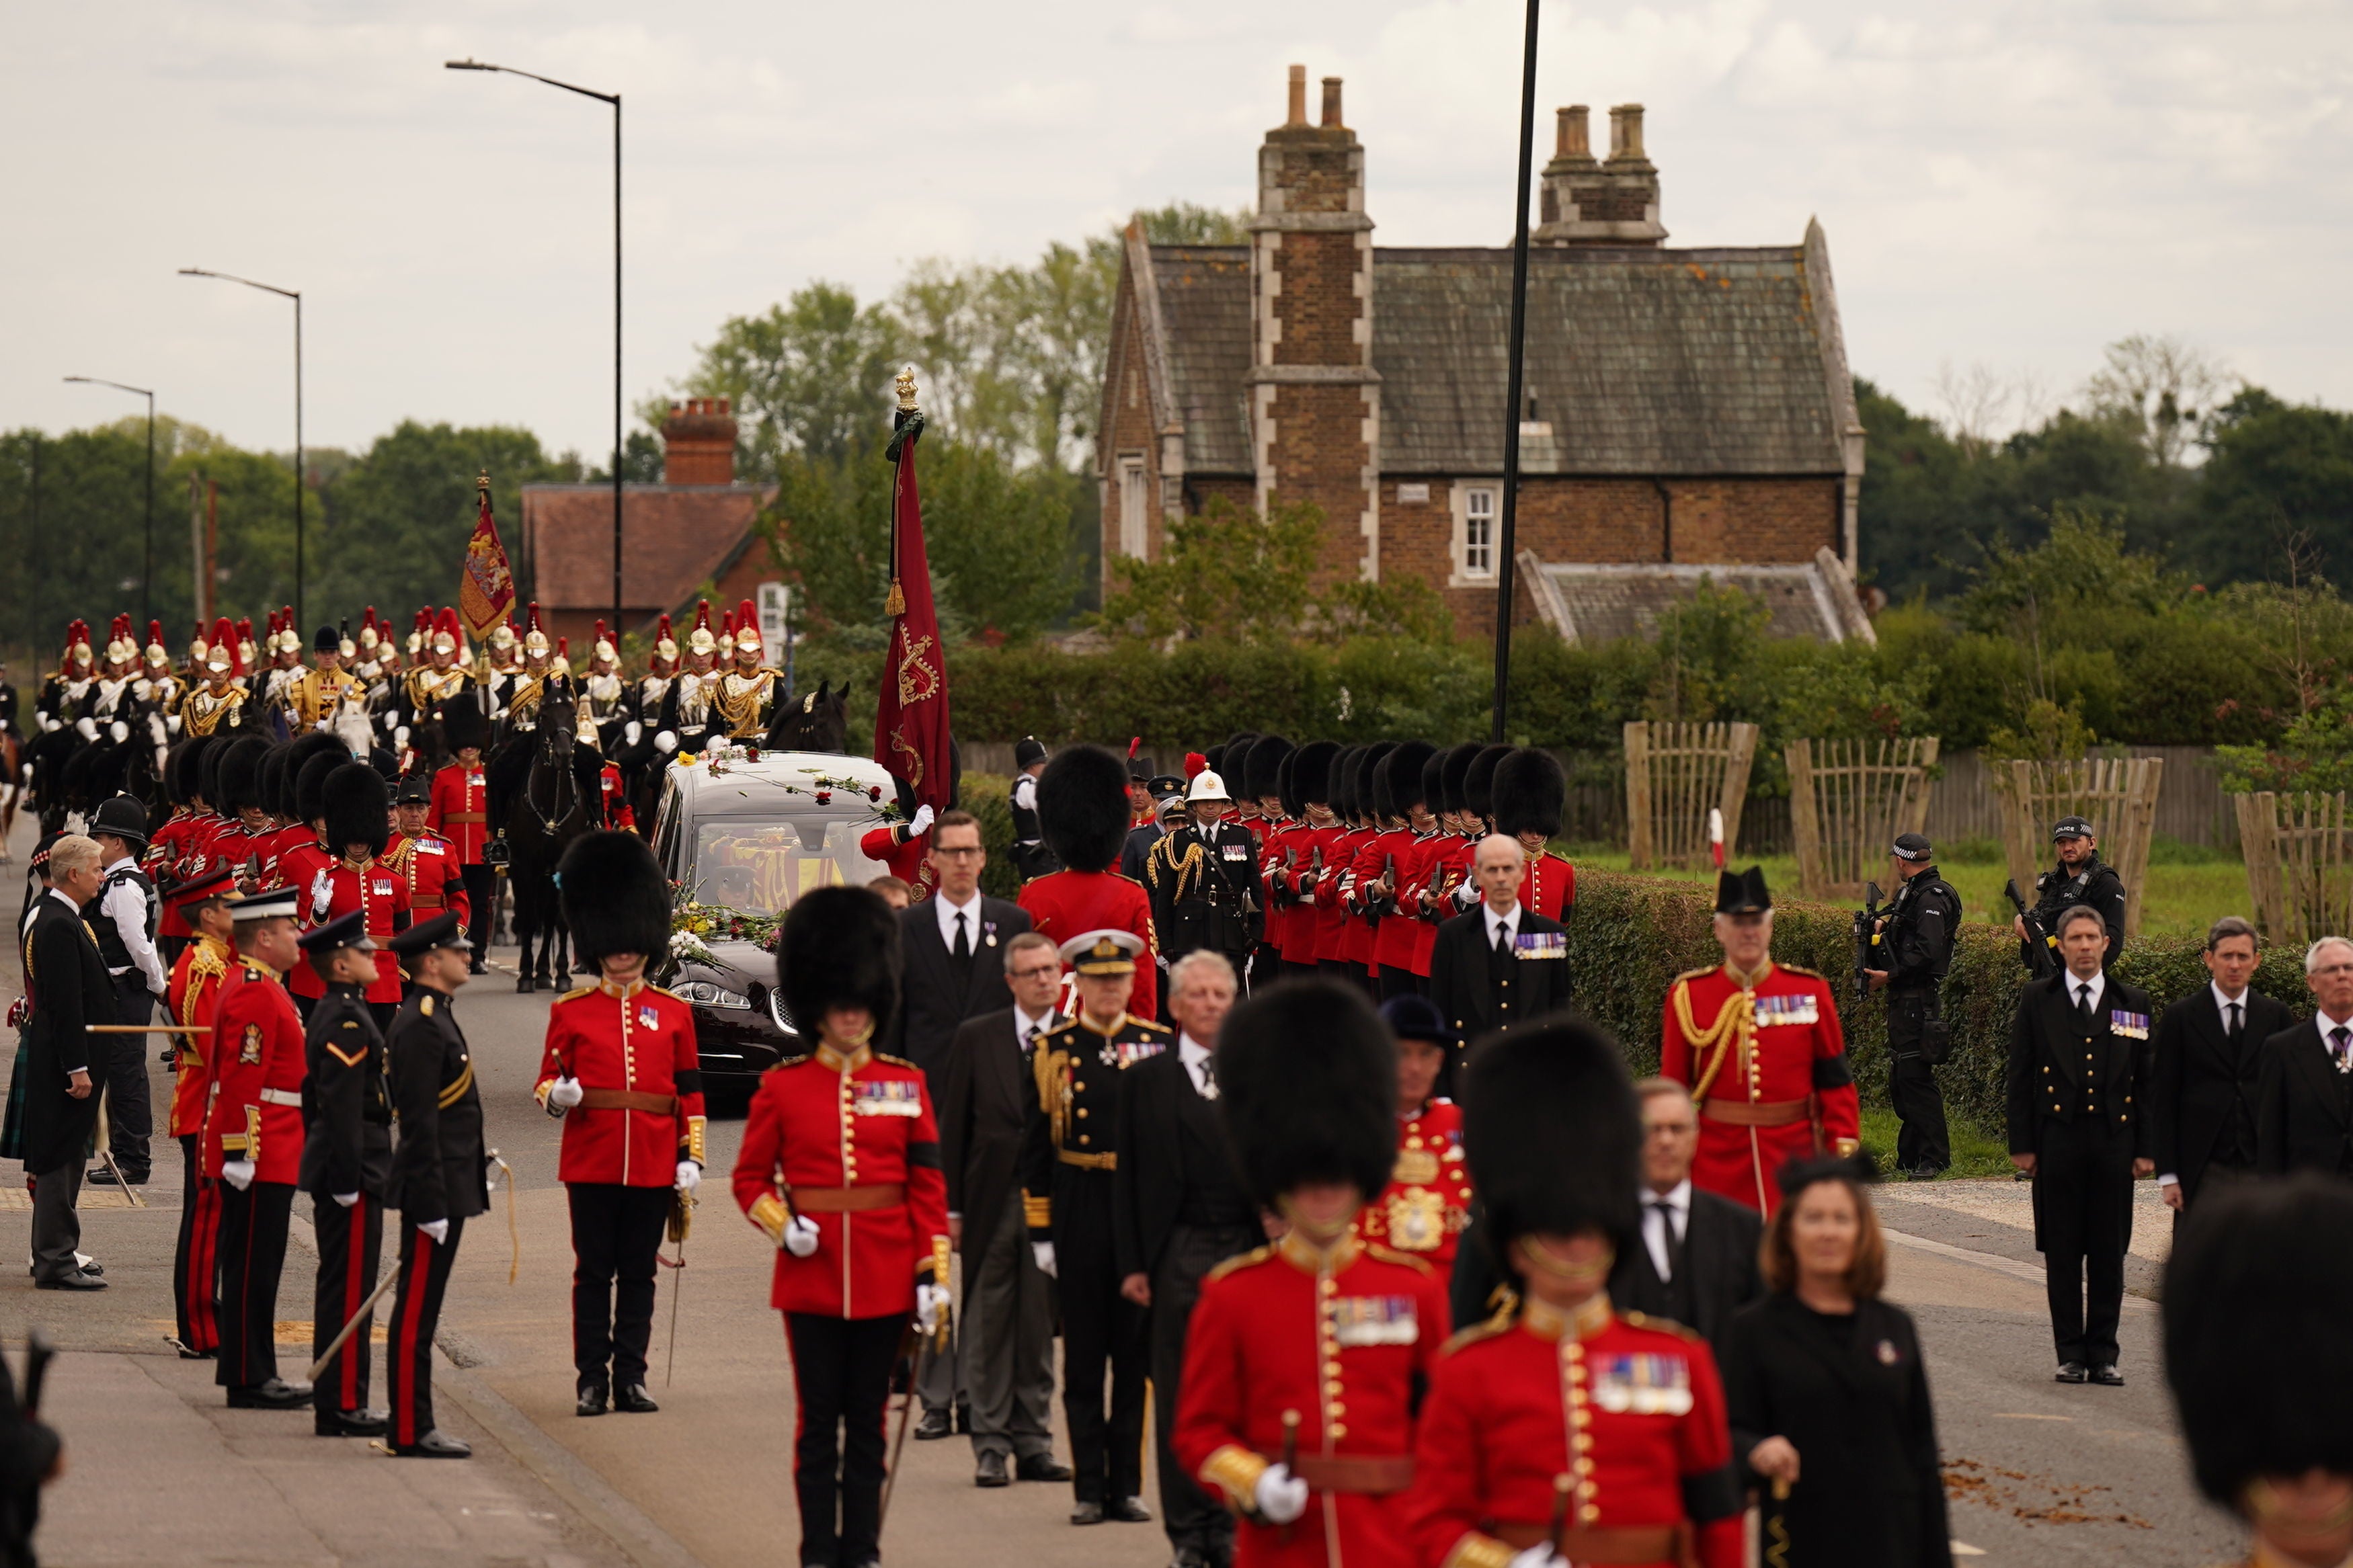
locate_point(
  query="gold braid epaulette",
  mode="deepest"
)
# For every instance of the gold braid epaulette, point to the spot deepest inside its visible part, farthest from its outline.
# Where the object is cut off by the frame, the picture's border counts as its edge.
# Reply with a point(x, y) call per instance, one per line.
point(1735, 1020)
point(1046, 1067)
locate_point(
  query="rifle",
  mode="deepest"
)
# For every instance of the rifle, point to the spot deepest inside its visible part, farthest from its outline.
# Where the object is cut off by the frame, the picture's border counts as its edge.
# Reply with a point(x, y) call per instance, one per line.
point(1867, 938)
point(2042, 949)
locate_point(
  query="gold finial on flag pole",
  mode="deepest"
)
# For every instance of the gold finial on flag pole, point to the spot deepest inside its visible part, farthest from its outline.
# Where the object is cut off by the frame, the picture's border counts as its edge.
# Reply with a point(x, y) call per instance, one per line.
point(906, 385)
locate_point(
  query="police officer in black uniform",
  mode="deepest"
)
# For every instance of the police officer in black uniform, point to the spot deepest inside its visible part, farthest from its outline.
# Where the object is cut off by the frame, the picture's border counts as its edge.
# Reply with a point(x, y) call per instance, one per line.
point(124, 917)
point(1070, 1155)
point(1031, 858)
point(1204, 880)
point(1916, 936)
point(440, 1175)
point(2080, 878)
point(346, 1163)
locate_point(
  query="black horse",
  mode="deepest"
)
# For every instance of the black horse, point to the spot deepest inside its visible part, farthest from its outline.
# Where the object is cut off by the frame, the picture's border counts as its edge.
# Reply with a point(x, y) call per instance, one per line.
point(819, 721)
point(545, 795)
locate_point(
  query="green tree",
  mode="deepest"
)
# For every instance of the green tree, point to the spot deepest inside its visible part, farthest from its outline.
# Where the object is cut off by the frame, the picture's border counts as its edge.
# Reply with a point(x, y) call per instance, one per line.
point(1226, 574)
point(2274, 472)
point(810, 377)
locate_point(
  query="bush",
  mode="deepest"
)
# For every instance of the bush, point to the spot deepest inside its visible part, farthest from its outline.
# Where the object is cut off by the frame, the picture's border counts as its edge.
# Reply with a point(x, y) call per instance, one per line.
point(1629, 937)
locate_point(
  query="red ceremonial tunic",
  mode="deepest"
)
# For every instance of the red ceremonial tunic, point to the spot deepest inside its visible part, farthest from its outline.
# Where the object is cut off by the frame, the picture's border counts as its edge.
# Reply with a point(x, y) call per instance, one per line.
point(257, 1067)
point(1064, 904)
point(427, 864)
point(907, 861)
point(1289, 920)
point(297, 867)
point(1375, 853)
point(191, 996)
point(1343, 1339)
point(1549, 888)
point(826, 1136)
point(240, 851)
point(162, 864)
point(290, 841)
point(1395, 945)
point(1631, 1408)
point(460, 810)
point(379, 890)
point(1340, 849)
point(195, 855)
point(1423, 1210)
point(618, 813)
point(1767, 1066)
point(639, 1041)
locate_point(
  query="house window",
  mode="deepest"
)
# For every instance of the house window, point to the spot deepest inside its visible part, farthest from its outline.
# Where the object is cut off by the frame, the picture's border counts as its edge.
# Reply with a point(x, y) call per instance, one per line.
point(1478, 534)
point(1131, 537)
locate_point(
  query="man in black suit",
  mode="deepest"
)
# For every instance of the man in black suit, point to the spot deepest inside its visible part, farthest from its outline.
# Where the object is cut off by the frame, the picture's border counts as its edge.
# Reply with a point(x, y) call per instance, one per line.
point(1697, 1263)
point(2304, 1089)
point(1499, 965)
point(2206, 1067)
point(1008, 1365)
point(2079, 1072)
point(955, 942)
point(66, 985)
point(1178, 1211)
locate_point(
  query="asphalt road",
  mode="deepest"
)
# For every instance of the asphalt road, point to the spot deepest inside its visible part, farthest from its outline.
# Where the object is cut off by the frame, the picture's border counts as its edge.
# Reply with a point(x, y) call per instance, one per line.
point(2039, 1474)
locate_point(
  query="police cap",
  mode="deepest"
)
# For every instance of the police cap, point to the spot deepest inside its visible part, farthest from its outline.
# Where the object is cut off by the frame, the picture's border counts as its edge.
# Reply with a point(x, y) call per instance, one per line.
point(2070, 827)
point(1912, 846)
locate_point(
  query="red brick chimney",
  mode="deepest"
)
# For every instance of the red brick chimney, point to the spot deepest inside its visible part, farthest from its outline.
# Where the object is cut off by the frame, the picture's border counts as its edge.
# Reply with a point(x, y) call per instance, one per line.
point(699, 443)
point(1590, 202)
point(1315, 396)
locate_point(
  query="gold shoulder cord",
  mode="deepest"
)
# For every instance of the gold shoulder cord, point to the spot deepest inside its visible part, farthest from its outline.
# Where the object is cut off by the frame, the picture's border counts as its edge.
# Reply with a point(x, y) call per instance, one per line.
point(1053, 1098)
point(1736, 1020)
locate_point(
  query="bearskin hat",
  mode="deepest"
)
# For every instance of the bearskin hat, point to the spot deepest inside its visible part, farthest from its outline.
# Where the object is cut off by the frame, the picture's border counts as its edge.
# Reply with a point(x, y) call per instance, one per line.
point(2255, 1300)
point(273, 779)
point(304, 749)
point(1401, 785)
point(186, 771)
point(461, 722)
point(1230, 761)
point(1528, 792)
point(1082, 808)
point(1455, 768)
point(1307, 1078)
point(1371, 807)
point(1312, 772)
point(1286, 787)
point(237, 777)
point(357, 807)
point(840, 947)
point(1433, 781)
point(1478, 780)
point(310, 785)
point(1343, 782)
point(1553, 1135)
point(613, 896)
point(1258, 765)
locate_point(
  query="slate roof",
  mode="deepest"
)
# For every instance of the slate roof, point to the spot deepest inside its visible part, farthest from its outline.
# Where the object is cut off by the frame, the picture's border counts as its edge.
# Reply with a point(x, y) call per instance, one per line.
point(1640, 361)
point(673, 538)
point(1597, 604)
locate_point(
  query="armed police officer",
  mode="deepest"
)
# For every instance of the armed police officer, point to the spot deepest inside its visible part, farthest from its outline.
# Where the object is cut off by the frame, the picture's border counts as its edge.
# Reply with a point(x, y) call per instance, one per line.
point(1915, 950)
point(2081, 877)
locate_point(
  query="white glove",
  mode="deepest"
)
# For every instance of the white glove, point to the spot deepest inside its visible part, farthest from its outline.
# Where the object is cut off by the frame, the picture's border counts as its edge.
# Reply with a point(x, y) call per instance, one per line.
point(237, 1173)
point(1465, 896)
point(86, 728)
point(439, 1229)
point(1043, 1253)
point(800, 1236)
point(920, 821)
point(322, 895)
point(347, 1199)
point(1540, 1555)
point(666, 743)
point(320, 725)
point(118, 732)
point(563, 1095)
point(631, 730)
point(50, 725)
point(689, 1176)
point(1281, 1497)
point(400, 736)
point(930, 1306)
point(172, 724)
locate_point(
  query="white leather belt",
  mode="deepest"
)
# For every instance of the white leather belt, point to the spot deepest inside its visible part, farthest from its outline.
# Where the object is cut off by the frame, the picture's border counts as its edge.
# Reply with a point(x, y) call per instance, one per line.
point(282, 1097)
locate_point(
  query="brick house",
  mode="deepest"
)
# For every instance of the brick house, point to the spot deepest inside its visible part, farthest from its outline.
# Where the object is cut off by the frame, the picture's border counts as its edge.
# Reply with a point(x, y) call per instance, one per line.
point(697, 527)
point(1687, 412)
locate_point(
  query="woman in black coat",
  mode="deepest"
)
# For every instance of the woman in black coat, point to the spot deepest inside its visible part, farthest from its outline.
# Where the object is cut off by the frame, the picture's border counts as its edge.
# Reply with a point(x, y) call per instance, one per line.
point(1826, 1391)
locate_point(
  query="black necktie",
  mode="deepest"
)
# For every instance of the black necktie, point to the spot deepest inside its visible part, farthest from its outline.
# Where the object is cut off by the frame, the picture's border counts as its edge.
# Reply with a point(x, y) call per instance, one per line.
point(1209, 1077)
point(963, 949)
point(2234, 1029)
point(2083, 1005)
point(1669, 1242)
point(1504, 940)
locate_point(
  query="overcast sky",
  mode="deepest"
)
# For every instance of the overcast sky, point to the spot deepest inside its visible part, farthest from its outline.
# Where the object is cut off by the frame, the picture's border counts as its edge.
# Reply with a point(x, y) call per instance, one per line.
point(2015, 181)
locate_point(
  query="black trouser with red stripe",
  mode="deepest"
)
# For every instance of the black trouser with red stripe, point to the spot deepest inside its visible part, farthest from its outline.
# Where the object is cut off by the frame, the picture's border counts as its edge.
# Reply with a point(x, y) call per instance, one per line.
point(351, 1244)
point(415, 1316)
point(616, 1233)
point(195, 1262)
point(841, 1386)
point(253, 1225)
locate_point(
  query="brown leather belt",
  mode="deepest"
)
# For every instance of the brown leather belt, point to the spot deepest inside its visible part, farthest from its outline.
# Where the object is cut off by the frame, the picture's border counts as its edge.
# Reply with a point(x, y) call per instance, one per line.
point(425, 902)
point(849, 1200)
point(468, 816)
point(627, 1100)
point(1376, 1475)
point(1765, 1114)
point(1626, 1543)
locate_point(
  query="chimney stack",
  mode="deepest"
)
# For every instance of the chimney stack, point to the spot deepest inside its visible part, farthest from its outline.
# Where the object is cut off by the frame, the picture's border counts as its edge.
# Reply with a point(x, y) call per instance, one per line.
point(1332, 104)
point(699, 443)
point(1297, 118)
point(1585, 202)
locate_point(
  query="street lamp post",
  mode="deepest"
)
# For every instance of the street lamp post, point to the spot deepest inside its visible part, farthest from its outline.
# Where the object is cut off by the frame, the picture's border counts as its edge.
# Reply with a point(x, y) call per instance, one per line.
point(1505, 564)
point(614, 99)
point(147, 552)
point(295, 295)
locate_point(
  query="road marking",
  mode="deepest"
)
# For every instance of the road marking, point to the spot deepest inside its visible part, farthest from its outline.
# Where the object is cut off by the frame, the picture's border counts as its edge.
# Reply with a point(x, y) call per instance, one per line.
point(1963, 1549)
point(2019, 1416)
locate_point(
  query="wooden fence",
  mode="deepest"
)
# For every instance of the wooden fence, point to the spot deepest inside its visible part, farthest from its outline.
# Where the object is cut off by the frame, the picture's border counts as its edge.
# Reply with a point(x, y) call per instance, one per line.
point(2299, 853)
point(1674, 775)
point(1848, 800)
point(2117, 795)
